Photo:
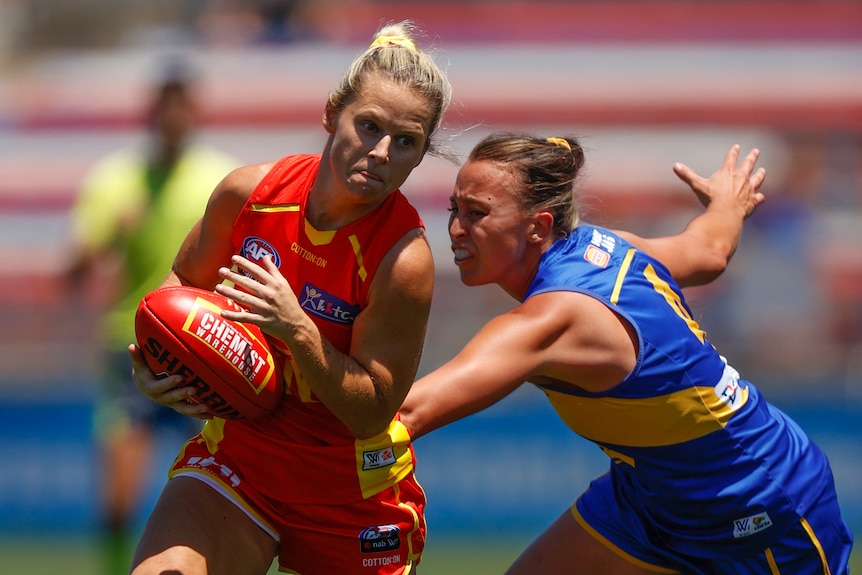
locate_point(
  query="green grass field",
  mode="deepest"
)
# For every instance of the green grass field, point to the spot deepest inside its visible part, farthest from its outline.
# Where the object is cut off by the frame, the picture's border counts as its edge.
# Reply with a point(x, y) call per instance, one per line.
point(77, 556)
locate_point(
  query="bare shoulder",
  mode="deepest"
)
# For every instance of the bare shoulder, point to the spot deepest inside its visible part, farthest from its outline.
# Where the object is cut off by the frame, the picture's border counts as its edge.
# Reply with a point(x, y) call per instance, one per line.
point(565, 309)
point(582, 341)
point(578, 315)
point(408, 267)
point(238, 184)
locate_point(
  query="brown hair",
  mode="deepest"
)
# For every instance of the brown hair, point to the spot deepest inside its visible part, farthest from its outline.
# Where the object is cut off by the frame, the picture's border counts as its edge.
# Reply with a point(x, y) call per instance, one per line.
point(547, 168)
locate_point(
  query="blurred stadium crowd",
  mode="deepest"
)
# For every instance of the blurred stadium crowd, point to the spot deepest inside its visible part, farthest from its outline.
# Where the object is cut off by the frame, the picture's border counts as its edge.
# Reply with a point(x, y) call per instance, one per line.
point(644, 83)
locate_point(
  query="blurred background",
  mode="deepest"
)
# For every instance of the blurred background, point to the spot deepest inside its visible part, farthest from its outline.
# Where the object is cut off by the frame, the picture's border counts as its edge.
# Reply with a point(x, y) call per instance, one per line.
point(642, 83)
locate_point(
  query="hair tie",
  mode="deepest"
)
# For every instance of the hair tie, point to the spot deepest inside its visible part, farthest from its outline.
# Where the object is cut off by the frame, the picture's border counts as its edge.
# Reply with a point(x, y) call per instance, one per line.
point(561, 142)
point(394, 41)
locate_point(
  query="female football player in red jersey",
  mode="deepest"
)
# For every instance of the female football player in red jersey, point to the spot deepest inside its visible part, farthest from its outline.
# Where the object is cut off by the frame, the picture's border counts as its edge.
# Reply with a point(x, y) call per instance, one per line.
point(325, 481)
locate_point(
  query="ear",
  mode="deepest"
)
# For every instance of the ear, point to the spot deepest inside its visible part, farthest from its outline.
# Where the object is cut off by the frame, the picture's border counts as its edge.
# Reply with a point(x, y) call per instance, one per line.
point(329, 117)
point(541, 227)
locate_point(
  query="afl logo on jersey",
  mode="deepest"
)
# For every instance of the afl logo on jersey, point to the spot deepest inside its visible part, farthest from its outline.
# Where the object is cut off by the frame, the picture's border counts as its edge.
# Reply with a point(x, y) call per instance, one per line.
point(255, 249)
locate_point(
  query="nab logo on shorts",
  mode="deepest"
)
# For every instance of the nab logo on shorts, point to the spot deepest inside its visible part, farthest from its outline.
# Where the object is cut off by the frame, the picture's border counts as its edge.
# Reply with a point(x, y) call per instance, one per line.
point(326, 306)
point(379, 539)
point(255, 249)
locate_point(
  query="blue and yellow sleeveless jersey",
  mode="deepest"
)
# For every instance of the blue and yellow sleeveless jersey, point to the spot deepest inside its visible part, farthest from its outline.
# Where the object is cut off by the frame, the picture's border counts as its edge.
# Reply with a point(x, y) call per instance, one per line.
point(695, 449)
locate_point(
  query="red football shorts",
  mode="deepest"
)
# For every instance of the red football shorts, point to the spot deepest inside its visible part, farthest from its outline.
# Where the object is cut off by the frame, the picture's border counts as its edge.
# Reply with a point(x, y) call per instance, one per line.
point(381, 535)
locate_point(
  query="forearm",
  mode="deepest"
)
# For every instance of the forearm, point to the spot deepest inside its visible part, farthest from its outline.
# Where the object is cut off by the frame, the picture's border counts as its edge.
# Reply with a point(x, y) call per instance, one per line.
point(452, 392)
point(708, 243)
point(426, 409)
point(364, 401)
point(702, 251)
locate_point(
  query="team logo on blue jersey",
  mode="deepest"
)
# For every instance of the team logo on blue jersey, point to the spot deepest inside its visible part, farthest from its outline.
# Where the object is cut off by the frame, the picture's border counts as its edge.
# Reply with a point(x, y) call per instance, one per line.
point(255, 249)
point(597, 257)
point(605, 241)
point(600, 249)
point(326, 306)
point(751, 525)
point(379, 539)
point(728, 388)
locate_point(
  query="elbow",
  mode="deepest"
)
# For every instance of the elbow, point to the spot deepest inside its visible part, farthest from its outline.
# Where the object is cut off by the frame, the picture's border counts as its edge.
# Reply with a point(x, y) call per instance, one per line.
point(365, 427)
point(721, 256)
point(712, 264)
point(366, 423)
point(717, 265)
point(364, 431)
point(408, 418)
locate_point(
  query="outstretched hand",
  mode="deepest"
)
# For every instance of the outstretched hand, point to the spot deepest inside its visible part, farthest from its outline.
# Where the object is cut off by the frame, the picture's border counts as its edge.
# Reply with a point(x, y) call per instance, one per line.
point(729, 183)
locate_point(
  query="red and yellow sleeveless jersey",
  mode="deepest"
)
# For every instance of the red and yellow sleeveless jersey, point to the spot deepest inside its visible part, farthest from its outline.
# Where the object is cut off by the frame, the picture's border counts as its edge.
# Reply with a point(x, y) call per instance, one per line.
point(302, 453)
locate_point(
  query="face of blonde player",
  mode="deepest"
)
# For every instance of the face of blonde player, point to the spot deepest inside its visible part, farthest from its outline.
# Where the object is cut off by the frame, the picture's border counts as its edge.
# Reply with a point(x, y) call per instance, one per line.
point(489, 229)
point(378, 138)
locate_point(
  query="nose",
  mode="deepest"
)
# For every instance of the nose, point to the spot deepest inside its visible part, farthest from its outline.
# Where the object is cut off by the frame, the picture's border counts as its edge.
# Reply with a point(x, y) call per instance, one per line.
point(381, 149)
point(455, 227)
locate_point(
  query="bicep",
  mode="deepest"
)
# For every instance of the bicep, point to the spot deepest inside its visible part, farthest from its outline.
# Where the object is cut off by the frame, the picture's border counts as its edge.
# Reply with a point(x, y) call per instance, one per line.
point(389, 333)
point(689, 260)
point(569, 337)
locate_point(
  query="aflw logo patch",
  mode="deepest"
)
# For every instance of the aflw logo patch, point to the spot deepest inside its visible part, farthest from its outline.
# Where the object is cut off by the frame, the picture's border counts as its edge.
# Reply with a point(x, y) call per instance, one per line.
point(751, 525)
point(377, 459)
point(325, 305)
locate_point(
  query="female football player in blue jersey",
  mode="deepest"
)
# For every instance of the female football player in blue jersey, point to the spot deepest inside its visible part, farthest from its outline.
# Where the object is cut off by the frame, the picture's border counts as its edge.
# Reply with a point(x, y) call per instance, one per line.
point(705, 476)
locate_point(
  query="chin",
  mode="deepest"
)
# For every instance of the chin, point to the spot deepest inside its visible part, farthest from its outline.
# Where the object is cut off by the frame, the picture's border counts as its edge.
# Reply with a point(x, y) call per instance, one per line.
point(471, 280)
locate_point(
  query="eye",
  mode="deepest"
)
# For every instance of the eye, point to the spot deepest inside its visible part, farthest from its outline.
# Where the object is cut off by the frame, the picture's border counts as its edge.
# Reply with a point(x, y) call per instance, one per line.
point(369, 126)
point(406, 141)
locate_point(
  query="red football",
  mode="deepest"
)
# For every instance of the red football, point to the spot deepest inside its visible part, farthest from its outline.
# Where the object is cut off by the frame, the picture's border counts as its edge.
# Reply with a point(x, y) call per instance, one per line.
point(180, 331)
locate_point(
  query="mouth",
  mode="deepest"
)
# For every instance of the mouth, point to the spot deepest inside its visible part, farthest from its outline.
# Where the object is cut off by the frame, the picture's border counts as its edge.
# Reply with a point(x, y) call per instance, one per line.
point(461, 255)
point(370, 176)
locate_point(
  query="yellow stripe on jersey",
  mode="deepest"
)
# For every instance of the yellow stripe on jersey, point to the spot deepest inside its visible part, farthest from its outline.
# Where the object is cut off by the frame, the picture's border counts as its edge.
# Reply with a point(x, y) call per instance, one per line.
point(674, 301)
point(645, 422)
point(274, 209)
point(357, 251)
point(624, 269)
point(383, 460)
point(318, 237)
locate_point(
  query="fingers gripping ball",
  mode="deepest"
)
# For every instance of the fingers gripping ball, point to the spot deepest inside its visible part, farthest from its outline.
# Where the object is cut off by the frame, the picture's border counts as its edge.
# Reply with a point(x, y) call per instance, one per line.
point(180, 331)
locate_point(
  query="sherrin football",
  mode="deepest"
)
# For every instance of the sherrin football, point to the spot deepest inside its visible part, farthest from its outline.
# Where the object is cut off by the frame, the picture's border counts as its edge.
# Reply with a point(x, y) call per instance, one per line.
point(180, 331)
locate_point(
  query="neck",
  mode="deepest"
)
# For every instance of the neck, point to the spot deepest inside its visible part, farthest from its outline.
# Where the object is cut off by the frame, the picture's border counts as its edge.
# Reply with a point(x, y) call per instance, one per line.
point(526, 272)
